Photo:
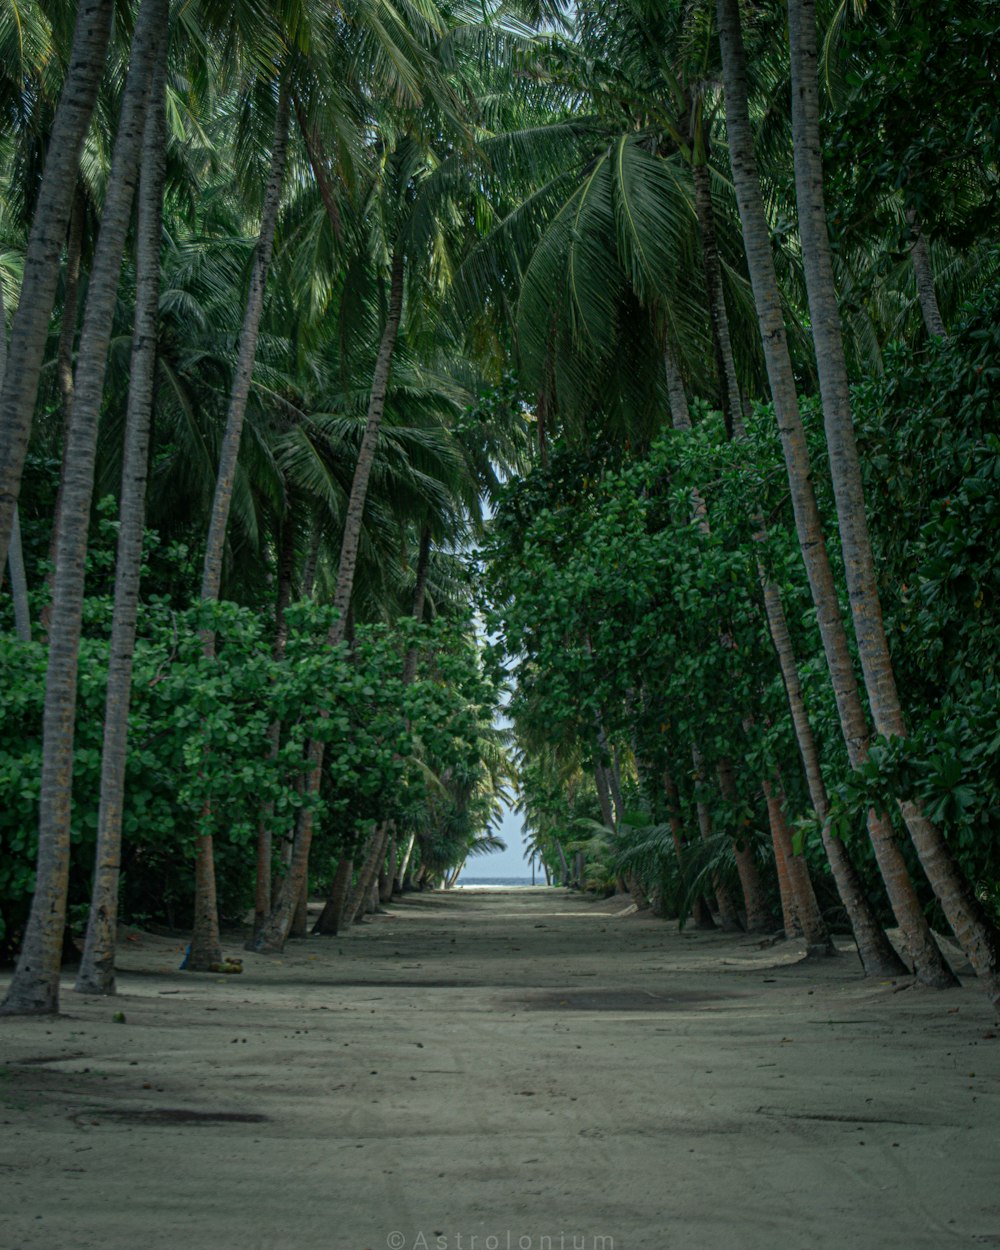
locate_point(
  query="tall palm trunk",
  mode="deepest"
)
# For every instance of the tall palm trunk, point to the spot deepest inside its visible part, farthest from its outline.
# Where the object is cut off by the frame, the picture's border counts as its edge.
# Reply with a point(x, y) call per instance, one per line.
point(876, 952)
point(206, 946)
point(929, 963)
point(977, 935)
point(29, 331)
point(35, 987)
point(419, 597)
point(97, 969)
point(732, 408)
point(272, 935)
point(265, 833)
point(404, 863)
point(923, 276)
point(15, 555)
point(64, 366)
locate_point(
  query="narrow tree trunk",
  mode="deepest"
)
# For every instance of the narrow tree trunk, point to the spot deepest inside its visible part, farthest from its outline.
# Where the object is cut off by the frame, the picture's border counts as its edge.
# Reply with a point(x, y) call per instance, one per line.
point(680, 413)
point(930, 965)
point(876, 952)
point(789, 916)
point(387, 877)
point(405, 862)
point(923, 275)
point(206, 946)
point(29, 332)
point(272, 936)
point(804, 905)
point(64, 367)
point(419, 595)
point(300, 921)
point(728, 915)
point(603, 794)
point(332, 915)
point(35, 986)
point(754, 902)
point(15, 556)
point(363, 886)
point(265, 834)
point(97, 969)
point(976, 933)
point(732, 408)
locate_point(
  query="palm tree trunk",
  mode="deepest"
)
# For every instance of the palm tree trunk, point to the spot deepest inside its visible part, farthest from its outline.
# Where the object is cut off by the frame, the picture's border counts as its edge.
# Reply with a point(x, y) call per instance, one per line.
point(404, 863)
point(64, 365)
point(729, 917)
point(15, 555)
point(419, 595)
point(976, 933)
point(29, 332)
point(387, 878)
point(804, 905)
point(265, 834)
point(272, 936)
point(332, 915)
point(878, 957)
point(680, 413)
point(358, 897)
point(96, 974)
point(923, 275)
point(754, 900)
point(35, 986)
point(206, 946)
point(732, 408)
point(930, 965)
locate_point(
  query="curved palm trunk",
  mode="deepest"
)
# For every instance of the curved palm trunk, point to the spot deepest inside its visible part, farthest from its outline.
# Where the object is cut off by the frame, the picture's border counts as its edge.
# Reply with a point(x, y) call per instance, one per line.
point(35, 987)
point(272, 936)
point(732, 408)
point(206, 946)
point(923, 276)
point(29, 331)
point(680, 413)
point(977, 935)
point(97, 969)
point(929, 963)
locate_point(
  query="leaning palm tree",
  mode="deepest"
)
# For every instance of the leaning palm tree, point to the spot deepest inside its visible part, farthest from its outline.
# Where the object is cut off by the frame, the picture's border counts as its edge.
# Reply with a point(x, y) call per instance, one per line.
point(976, 933)
point(920, 945)
point(35, 986)
point(97, 968)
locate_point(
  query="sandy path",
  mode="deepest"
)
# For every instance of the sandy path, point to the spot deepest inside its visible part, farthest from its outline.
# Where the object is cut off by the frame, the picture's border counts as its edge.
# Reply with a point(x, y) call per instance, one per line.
point(503, 1071)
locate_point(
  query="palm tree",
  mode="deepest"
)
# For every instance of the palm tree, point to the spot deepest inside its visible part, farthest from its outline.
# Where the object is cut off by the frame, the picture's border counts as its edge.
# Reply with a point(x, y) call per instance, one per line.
point(35, 986)
point(97, 969)
point(977, 935)
point(45, 243)
point(920, 945)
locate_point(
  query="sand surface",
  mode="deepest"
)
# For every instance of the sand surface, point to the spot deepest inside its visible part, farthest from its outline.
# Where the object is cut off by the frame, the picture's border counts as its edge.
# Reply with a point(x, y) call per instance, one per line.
point(509, 1070)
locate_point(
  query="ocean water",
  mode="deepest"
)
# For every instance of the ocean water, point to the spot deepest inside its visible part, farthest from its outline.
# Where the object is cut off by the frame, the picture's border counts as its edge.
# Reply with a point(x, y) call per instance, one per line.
point(499, 881)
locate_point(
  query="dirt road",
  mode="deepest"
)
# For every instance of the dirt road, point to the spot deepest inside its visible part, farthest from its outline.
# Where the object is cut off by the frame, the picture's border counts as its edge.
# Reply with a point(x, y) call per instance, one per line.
point(502, 1071)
